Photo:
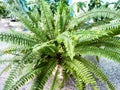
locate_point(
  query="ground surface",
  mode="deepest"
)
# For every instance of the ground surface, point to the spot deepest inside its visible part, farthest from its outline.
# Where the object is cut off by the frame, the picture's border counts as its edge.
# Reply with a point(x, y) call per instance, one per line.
point(111, 68)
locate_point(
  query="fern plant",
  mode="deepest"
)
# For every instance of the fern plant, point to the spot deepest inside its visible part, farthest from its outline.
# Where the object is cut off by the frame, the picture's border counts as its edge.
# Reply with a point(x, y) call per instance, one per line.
point(58, 42)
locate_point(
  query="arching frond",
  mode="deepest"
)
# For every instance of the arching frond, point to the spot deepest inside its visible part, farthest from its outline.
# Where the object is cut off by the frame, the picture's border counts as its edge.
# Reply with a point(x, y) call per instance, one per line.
point(80, 85)
point(25, 78)
point(112, 40)
point(31, 27)
point(46, 18)
point(12, 60)
point(16, 50)
point(29, 57)
point(80, 70)
point(62, 18)
point(109, 46)
point(110, 86)
point(108, 42)
point(38, 47)
point(101, 12)
point(103, 52)
point(112, 25)
point(10, 80)
point(101, 25)
point(14, 72)
point(111, 43)
point(96, 71)
point(8, 61)
point(43, 76)
point(88, 36)
point(16, 39)
point(17, 10)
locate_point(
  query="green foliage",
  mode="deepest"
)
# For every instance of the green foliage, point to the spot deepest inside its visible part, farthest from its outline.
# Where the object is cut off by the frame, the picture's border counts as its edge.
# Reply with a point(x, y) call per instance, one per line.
point(60, 39)
point(79, 83)
point(68, 42)
point(17, 39)
point(101, 12)
point(10, 80)
point(25, 78)
point(80, 70)
point(3, 11)
point(43, 76)
point(100, 52)
point(96, 71)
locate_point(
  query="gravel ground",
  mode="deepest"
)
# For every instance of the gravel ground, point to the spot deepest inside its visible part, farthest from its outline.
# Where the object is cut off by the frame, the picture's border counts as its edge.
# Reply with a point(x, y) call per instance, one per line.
point(111, 68)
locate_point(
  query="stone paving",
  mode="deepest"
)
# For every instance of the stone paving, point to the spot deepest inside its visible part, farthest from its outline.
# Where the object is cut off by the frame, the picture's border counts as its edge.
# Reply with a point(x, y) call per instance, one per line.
point(111, 68)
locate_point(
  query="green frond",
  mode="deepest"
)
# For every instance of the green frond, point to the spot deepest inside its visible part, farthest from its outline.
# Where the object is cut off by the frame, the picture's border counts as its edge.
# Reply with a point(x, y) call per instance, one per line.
point(114, 41)
point(31, 27)
point(29, 57)
point(25, 78)
point(110, 46)
point(111, 43)
point(44, 75)
point(8, 61)
point(113, 49)
point(88, 36)
point(81, 71)
point(16, 50)
point(38, 47)
point(80, 85)
point(100, 12)
point(45, 48)
point(14, 72)
point(12, 60)
point(110, 86)
point(66, 39)
point(62, 18)
point(96, 71)
point(54, 82)
point(22, 81)
point(102, 25)
point(25, 34)
point(47, 19)
point(16, 10)
point(102, 52)
point(10, 80)
point(16, 39)
point(107, 42)
point(112, 25)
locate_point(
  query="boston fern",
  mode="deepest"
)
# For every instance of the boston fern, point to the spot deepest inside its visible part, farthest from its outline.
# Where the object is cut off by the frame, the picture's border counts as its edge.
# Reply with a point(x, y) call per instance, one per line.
point(58, 43)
